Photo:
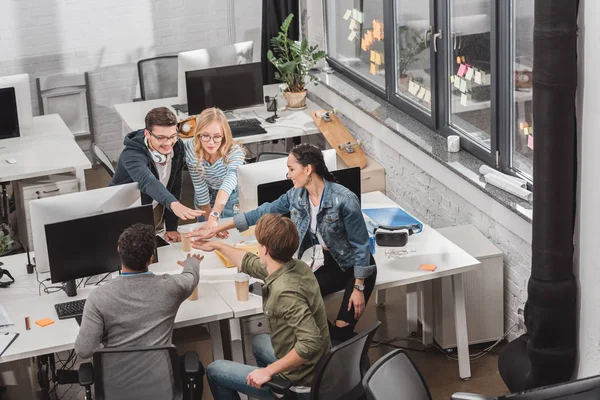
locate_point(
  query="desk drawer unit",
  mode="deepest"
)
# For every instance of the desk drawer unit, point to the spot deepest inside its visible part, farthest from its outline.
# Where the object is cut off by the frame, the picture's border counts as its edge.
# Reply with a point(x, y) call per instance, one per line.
point(372, 177)
point(252, 326)
point(39, 188)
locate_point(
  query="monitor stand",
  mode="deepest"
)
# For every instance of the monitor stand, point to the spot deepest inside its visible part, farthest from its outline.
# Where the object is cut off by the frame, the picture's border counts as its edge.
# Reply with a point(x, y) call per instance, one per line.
point(71, 288)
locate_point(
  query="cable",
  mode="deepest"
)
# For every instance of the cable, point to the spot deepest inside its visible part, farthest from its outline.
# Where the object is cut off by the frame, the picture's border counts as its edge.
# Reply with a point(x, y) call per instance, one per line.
point(105, 276)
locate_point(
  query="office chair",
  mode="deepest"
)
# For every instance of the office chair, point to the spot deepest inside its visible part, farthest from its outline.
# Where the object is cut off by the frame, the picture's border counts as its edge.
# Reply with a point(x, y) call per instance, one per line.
point(151, 372)
point(158, 77)
point(103, 159)
point(338, 374)
point(270, 155)
point(395, 377)
point(582, 389)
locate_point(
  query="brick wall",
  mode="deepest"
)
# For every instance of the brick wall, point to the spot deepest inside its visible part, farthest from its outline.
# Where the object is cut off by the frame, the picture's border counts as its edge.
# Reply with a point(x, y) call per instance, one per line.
point(107, 37)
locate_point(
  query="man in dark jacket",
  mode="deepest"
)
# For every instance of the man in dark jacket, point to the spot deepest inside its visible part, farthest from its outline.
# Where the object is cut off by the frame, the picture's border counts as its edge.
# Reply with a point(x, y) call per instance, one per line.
point(154, 158)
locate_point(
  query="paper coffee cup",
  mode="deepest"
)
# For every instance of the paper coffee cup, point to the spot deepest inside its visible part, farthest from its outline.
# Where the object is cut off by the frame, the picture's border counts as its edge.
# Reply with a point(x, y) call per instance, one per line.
point(242, 286)
point(453, 143)
point(186, 241)
point(194, 295)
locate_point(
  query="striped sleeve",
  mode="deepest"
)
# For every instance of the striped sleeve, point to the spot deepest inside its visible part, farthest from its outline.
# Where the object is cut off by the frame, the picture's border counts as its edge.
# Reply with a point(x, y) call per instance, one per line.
point(201, 196)
point(235, 158)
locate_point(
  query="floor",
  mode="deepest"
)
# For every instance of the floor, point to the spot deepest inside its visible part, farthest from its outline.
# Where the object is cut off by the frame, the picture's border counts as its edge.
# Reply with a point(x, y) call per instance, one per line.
point(440, 373)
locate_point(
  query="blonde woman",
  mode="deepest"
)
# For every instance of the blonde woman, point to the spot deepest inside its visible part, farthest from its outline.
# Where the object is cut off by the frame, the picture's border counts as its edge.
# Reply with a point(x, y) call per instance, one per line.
point(212, 158)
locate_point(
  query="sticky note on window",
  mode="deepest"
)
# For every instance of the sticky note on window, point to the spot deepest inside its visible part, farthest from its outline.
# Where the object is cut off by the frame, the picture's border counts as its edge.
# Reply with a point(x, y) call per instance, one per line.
point(413, 88)
point(452, 78)
point(372, 58)
point(463, 85)
point(478, 77)
point(427, 96)
point(457, 82)
point(428, 267)
point(469, 74)
point(352, 36)
point(421, 93)
point(44, 322)
point(347, 14)
point(357, 15)
point(462, 70)
point(530, 141)
point(373, 69)
point(353, 25)
point(464, 100)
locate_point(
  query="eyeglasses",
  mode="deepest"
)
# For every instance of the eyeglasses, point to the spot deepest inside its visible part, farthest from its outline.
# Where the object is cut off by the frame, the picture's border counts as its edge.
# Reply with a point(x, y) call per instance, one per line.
point(164, 139)
point(215, 139)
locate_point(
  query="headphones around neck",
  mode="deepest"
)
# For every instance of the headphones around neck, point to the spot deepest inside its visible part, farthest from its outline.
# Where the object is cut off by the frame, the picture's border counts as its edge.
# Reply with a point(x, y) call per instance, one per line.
point(8, 274)
point(156, 155)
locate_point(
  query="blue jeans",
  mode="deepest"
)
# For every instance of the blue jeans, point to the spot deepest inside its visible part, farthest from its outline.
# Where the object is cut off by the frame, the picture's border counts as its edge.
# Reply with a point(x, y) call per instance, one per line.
point(228, 210)
point(226, 378)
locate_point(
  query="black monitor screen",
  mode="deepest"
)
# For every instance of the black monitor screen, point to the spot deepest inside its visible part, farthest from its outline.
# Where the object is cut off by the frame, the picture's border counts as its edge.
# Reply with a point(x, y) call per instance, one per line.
point(9, 119)
point(228, 88)
point(269, 192)
point(88, 246)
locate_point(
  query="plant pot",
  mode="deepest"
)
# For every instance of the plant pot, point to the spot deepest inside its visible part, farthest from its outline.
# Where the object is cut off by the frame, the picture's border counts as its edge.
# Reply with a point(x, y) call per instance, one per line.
point(403, 82)
point(295, 99)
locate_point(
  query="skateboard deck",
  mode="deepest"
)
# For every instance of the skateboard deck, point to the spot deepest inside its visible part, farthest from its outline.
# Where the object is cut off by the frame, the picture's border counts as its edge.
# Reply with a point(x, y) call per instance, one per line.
point(349, 149)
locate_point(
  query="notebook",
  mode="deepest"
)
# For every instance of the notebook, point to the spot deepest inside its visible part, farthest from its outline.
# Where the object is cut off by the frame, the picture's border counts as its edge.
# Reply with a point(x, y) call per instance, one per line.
point(6, 339)
point(393, 218)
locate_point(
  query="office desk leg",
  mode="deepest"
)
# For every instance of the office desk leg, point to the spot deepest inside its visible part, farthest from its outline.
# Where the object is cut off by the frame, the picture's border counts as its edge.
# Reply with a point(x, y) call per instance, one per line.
point(380, 297)
point(411, 308)
point(460, 320)
point(237, 351)
point(80, 174)
point(216, 340)
point(426, 311)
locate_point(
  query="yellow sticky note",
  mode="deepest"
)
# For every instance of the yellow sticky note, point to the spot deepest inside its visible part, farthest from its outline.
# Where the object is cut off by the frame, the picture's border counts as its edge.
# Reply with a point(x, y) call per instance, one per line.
point(373, 69)
point(428, 267)
point(44, 322)
point(251, 248)
point(427, 96)
point(372, 59)
point(413, 88)
point(363, 45)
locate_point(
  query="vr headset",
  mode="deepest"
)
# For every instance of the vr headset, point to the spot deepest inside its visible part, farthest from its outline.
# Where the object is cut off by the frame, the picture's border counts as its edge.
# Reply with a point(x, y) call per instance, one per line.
point(4, 272)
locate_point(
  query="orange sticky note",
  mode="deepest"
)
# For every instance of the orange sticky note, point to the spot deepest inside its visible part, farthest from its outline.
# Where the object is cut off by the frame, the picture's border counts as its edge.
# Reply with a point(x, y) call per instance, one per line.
point(44, 322)
point(428, 267)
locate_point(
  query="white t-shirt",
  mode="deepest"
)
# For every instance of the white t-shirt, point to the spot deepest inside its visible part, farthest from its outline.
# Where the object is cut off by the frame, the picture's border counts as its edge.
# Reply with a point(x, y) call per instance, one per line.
point(314, 210)
point(164, 172)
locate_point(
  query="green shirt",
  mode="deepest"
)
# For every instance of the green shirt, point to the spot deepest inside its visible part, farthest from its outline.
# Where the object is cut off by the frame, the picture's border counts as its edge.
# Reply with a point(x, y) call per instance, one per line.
point(295, 311)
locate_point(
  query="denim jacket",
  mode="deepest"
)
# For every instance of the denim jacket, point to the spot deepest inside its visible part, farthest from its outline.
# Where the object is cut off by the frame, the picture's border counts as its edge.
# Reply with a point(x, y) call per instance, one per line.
point(339, 221)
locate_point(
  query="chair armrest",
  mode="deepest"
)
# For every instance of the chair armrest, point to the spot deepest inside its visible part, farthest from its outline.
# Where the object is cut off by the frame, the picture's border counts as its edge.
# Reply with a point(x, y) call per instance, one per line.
point(86, 374)
point(470, 396)
point(278, 384)
point(137, 99)
point(191, 363)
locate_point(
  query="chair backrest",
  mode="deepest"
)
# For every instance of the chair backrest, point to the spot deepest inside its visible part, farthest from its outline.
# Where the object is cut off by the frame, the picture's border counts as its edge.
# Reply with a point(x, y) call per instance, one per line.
point(67, 95)
point(582, 389)
point(270, 155)
point(104, 160)
point(137, 373)
point(395, 377)
point(158, 77)
point(338, 374)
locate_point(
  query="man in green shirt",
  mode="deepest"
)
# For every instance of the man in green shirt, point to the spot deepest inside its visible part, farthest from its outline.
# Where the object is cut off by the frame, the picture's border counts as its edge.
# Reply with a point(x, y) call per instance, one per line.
point(294, 308)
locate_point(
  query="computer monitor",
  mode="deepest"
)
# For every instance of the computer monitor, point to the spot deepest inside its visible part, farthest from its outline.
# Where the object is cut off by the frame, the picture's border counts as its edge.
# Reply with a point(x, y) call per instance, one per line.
point(229, 88)
point(84, 247)
point(269, 192)
point(220, 56)
point(20, 83)
point(9, 119)
point(75, 205)
point(252, 175)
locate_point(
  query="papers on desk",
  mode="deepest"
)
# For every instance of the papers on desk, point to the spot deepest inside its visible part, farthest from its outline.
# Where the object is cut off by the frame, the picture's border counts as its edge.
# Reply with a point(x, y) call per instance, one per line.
point(393, 218)
point(5, 320)
point(6, 340)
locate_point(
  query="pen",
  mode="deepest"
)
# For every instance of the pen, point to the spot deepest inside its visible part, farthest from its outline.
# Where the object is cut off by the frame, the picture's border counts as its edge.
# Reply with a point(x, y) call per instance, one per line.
point(27, 327)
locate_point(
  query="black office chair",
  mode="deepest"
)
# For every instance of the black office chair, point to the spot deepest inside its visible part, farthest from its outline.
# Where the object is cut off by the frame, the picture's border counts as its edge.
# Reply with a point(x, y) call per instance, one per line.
point(395, 377)
point(103, 159)
point(151, 372)
point(582, 389)
point(270, 155)
point(338, 374)
point(158, 77)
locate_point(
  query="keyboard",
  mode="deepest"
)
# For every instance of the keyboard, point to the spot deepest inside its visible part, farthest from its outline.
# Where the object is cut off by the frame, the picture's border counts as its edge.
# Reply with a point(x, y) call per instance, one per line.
point(245, 127)
point(70, 309)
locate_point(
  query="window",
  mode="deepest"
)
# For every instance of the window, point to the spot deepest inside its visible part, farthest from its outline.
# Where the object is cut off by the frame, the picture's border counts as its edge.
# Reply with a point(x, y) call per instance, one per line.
point(444, 62)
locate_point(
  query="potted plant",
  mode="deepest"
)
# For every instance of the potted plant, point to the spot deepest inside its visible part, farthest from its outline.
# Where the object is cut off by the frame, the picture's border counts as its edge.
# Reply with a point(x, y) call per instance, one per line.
point(292, 60)
point(5, 243)
point(410, 46)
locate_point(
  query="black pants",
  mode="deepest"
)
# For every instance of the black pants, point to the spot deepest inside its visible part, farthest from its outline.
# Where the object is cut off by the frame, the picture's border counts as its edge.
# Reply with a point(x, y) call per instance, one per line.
point(198, 380)
point(332, 279)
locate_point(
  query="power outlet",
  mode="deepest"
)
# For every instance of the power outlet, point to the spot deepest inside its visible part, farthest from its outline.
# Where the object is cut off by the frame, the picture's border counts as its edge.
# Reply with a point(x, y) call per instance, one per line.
point(520, 320)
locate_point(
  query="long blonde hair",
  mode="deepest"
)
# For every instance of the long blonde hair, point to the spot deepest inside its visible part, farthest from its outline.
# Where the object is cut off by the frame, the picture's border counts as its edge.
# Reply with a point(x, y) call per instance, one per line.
point(207, 117)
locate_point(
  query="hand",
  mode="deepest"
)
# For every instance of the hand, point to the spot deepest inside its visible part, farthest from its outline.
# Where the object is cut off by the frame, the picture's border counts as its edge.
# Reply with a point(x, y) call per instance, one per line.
point(258, 377)
point(357, 299)
point(212, 225)
point(203, 233)
point(223, 235)
point(172, 236)
point(204, 245)
point(197, 257)
point(184, 212)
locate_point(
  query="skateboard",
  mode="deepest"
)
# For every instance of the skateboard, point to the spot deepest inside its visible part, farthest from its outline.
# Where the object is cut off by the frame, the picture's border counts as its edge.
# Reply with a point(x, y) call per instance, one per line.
point(187, 127)
point(349, 149)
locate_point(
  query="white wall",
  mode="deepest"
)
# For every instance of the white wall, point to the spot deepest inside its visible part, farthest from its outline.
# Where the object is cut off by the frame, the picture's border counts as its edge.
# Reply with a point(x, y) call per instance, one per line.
point(587, 235)
point(107, 37)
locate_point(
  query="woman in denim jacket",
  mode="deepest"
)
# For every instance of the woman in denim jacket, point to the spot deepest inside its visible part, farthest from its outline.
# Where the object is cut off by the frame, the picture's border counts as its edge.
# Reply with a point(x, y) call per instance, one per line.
point(328, 214)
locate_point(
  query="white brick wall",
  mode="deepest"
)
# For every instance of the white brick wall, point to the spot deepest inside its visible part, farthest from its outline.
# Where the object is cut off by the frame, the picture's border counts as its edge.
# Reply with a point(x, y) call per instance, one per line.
point(107, 37)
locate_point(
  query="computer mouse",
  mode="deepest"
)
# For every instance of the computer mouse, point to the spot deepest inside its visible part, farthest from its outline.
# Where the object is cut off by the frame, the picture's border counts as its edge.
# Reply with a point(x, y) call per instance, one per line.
point(11, 160)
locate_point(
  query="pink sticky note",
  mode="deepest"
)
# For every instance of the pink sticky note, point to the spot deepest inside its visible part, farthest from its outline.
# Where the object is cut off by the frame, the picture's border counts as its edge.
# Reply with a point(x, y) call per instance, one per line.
point(530, 141)
point(462, 70)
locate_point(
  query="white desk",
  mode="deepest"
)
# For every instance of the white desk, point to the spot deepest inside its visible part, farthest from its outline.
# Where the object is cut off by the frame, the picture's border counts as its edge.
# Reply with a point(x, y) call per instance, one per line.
point(290, 123)
point(50, 148)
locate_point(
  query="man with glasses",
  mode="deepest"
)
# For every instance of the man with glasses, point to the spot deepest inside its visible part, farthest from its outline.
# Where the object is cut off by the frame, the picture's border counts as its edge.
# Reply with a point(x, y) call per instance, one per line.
point(154, 158)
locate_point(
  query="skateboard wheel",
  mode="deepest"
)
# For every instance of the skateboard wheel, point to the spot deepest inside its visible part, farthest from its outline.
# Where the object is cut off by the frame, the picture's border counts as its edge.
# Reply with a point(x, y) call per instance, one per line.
point(335, 111)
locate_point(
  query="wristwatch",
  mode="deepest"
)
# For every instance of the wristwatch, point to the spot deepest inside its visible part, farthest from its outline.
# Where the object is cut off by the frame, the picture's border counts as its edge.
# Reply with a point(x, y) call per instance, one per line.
point(215, 214)
point(360, 288)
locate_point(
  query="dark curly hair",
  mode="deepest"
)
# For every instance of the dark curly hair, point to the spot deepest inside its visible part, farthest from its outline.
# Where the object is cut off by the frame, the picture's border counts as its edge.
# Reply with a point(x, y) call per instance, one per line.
point(309, 154)
point(136, 245)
